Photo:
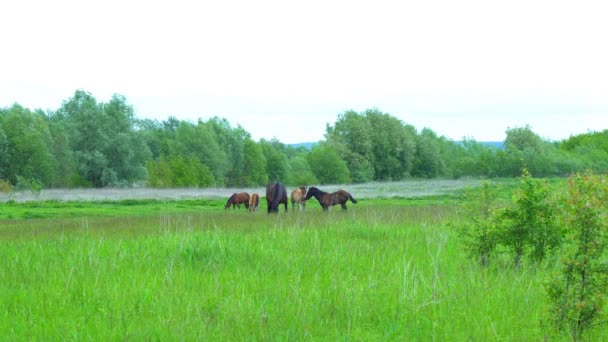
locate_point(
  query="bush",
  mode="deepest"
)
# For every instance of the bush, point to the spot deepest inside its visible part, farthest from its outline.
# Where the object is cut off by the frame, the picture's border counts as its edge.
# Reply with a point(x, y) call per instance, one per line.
point(578, 292)
point(529, 226)
point(479, 233)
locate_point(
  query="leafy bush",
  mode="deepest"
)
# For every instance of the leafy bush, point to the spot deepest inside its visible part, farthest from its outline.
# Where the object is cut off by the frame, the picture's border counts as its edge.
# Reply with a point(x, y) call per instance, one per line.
point(479, 233)
point(31, 184)
point(529, 225)
point(578, 292)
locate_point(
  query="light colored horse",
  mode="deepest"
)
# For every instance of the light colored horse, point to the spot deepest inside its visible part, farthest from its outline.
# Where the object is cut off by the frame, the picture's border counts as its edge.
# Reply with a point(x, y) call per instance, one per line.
point(297, 196)
point(254, 201)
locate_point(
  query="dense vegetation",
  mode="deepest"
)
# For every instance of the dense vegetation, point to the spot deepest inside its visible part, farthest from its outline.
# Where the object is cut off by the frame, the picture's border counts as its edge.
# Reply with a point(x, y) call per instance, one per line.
point(86, 143)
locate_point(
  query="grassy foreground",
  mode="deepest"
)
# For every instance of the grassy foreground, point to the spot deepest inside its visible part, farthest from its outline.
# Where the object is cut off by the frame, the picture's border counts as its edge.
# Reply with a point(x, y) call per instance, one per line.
point(386, 269)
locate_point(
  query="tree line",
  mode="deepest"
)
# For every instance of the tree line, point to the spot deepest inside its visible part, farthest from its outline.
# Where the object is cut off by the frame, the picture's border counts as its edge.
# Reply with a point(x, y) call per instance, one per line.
point(87, 143)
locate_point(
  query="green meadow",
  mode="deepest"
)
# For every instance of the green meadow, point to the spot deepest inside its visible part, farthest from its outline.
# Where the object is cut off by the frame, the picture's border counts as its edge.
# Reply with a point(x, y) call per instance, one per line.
point(386, 269)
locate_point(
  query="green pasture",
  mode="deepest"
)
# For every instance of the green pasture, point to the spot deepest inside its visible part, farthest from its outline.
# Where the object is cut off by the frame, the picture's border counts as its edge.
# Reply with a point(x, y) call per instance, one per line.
point(386, 269)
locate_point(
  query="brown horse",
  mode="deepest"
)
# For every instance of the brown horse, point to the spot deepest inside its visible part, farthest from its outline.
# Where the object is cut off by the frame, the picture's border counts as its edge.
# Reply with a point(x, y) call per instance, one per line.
point(254, 201)
point(275, 195)
point(236, 200)
point(297, 196)
point(327, 200)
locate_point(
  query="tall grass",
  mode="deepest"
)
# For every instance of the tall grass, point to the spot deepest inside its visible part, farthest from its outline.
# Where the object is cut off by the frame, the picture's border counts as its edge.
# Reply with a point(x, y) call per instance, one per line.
point(371, 273)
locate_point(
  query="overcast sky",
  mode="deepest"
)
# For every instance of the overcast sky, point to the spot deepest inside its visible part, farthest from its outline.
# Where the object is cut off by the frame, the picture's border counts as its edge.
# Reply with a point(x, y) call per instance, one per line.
point(285, 69)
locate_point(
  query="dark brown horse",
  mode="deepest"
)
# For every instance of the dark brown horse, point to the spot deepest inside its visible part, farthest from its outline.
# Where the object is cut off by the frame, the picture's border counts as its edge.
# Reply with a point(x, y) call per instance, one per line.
point(236, 200)
point(327, 200)
point(254, 201)
point(275, 195)
point(297, 196)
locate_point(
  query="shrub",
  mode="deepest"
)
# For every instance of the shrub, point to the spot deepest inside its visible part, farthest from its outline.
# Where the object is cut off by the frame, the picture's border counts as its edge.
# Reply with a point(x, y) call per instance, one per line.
point(578, 292)
point(479, 233)
point(529, 226)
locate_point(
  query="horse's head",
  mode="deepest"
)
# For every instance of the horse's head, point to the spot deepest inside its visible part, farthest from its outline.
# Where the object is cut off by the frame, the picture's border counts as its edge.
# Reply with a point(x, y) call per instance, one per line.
point(311, 192)
point(231, 200)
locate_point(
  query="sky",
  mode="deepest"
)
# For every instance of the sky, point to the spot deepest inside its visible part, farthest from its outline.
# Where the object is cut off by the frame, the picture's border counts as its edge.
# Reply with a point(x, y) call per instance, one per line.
point(285, 69)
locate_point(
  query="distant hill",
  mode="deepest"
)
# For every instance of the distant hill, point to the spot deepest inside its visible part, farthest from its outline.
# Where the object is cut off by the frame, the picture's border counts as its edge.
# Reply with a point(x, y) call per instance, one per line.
point(306, 145)
point(499, 145)
point(495, 144)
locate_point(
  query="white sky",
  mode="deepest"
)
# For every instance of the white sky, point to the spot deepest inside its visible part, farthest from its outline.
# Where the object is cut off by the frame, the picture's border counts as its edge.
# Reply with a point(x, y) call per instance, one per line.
point(285, 69)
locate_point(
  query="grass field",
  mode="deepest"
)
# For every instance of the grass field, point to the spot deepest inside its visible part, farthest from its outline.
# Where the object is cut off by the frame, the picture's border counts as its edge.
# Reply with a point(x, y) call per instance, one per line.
point(387, 269)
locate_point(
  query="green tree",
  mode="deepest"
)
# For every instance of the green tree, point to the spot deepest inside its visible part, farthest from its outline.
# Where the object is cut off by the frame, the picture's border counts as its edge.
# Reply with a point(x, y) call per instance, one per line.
point(276, 162)
point(106, 149)
point(525, 146)
point(232, 141)
point(351, 137)
point(300, 172)
point(127, 151)
point(327, 165)
point(27, 146)
point(200, 141)
point(65, 166)
point(428, 163)
point(160, 174)
point(393, 146)
point(254, 164)
point(4, 156)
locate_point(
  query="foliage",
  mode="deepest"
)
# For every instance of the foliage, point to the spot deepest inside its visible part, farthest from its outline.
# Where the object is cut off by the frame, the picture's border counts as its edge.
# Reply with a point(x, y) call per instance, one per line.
point(277, 166)
point(529, 225)
point(87, 143)
point(327, 166)
point(254, 164)
point(107, 151)
point(578, 293)
point(351, 137)
point(5, 186)
point(25, 146)
point(479, 232)
point(428, 163)
point(31, 184)
point(300, 172)
point(178, 171)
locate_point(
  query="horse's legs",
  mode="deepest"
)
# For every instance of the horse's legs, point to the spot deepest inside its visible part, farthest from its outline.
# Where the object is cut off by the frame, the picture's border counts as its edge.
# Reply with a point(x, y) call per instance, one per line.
point(343, 206)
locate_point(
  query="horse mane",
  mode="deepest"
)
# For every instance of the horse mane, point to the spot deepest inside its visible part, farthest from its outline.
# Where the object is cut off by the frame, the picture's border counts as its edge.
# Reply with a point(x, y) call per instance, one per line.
point(314, 191)
point(232, 197)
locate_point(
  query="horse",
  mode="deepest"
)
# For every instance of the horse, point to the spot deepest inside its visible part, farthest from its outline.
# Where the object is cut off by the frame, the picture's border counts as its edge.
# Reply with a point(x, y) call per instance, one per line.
point(297, 196)
point(237, 199)
point(254, 201)
point(327, 200)
point(275, 195)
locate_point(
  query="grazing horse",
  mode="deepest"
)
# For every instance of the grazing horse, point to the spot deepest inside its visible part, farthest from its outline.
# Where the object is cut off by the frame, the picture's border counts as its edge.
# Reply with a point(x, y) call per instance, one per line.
point(297, 196)
point(254, 201)
point(327, 200)
point(275, 195)
point(237, 199)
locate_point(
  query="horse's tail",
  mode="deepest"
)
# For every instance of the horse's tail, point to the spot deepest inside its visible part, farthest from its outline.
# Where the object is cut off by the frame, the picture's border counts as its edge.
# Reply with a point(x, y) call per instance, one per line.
point(352, 199)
